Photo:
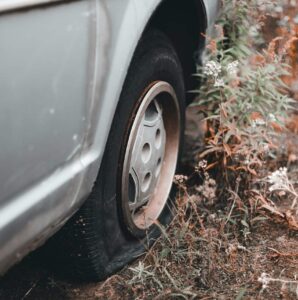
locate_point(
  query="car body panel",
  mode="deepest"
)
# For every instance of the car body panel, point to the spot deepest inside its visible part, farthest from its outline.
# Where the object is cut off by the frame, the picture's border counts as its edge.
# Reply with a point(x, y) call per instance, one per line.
point(35, 108)
point(46, 118)
point(63, 66)
point(212, 10)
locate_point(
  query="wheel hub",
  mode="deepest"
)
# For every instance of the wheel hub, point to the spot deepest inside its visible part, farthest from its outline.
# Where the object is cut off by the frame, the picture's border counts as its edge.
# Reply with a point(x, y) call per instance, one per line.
point(150, 157)
point(147, 156)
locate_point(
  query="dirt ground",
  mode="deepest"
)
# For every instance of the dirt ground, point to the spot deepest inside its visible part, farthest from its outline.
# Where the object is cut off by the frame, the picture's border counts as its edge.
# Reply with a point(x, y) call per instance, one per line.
point(271, 249)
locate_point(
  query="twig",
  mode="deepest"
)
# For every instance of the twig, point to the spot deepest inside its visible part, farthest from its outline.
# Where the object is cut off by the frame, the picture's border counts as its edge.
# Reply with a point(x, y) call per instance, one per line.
point(277, 253)
point(31, 288)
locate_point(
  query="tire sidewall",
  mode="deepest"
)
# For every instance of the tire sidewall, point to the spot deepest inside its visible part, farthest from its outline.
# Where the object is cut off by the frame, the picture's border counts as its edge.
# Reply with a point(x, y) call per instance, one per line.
point(158, 62)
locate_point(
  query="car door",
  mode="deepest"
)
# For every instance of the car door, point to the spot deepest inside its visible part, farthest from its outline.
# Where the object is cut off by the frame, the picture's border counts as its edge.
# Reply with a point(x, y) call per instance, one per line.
point(45, 86)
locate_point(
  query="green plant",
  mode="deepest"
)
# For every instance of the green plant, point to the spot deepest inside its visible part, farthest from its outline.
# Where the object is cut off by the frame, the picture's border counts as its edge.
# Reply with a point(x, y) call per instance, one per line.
point(242, 95)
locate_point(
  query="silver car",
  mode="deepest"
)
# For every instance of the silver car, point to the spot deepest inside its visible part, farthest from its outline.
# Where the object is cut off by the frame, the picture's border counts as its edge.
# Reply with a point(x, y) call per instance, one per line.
point(93, 94)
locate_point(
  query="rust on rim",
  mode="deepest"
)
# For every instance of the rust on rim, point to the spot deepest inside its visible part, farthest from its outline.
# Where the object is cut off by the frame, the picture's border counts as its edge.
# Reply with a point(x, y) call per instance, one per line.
point(151, 156)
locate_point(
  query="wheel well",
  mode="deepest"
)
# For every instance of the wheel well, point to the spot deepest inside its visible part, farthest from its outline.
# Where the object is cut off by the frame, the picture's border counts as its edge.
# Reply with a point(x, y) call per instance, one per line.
point(183, 22)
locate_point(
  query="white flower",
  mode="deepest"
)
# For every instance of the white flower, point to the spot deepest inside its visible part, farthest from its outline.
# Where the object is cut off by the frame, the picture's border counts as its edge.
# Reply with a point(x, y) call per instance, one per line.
point(248, 106)
point(232, 68)
point(180, 179)
point(264, 279)
point(212, 68)
point(247, 162)
point(219, 83)
point(203, 164)
point(253, 31)
point(266, 147)
point(284, 21)
point(272, 117)
point(258, 122)
point(278, 179)
point(279, 9)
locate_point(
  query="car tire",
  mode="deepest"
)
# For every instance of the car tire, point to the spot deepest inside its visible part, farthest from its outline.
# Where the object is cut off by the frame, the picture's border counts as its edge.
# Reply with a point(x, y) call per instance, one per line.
point(105, 235)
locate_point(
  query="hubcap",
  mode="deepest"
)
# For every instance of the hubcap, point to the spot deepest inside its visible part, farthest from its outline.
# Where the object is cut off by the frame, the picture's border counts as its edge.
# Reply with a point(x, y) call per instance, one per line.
point(150, 156)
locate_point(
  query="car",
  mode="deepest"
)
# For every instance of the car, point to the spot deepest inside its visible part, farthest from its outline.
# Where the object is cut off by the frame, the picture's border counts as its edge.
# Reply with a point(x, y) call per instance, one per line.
point(93, 96)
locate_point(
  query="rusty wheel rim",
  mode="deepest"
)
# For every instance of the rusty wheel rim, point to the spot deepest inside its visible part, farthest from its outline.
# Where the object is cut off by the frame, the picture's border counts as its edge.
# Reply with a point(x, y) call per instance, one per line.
point(151, 156)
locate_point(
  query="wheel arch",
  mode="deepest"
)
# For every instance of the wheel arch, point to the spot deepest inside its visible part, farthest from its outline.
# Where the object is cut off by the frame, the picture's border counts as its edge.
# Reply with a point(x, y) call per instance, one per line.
point(185, 24)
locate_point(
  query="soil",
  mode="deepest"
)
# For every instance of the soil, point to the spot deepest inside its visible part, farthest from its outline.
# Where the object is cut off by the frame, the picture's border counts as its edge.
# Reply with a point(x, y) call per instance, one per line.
point(272, 249)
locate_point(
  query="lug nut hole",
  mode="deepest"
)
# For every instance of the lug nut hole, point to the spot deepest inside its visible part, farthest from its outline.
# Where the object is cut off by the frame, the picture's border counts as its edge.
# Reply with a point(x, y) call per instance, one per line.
point(146, 182)
point(158, 138)
point(146, 152)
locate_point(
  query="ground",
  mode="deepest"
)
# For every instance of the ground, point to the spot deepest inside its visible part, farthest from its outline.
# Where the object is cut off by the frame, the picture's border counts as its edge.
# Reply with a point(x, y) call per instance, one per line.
point(270, 249)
